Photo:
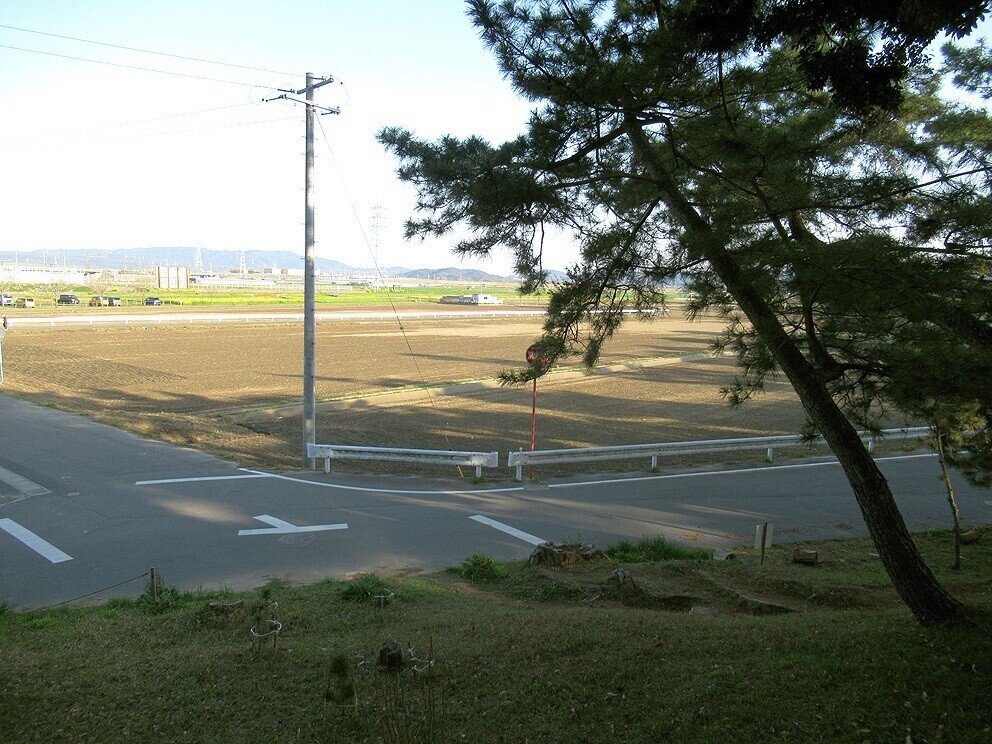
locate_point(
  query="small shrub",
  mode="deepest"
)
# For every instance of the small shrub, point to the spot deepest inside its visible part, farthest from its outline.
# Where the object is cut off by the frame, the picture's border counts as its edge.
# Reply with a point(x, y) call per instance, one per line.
point(364, 589)
point(652, 550)
point(483, 570)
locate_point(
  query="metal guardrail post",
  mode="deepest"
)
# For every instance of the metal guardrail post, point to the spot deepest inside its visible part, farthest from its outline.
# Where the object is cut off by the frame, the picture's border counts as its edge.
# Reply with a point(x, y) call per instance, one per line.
point(770, 454)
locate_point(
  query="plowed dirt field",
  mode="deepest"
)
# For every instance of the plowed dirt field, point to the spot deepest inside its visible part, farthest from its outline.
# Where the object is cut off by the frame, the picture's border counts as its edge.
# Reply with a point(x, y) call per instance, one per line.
point(204, 386)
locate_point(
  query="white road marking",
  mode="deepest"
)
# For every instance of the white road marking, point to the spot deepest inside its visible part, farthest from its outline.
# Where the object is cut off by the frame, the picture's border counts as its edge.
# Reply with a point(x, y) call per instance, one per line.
point(758, 469)
point(279, 527)
point(363, 489)
point(525, 536)
point(26, 536)
point(514, 489)
point(22, 485)
point(203, 478)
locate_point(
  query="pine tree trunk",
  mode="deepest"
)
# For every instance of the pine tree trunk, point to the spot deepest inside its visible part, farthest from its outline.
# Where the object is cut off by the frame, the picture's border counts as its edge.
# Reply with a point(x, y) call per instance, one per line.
point(917, 586)
point(945, 477)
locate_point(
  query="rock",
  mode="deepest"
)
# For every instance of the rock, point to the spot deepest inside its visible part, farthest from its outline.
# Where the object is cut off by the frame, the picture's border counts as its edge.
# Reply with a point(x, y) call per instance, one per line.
point(391, 656)
point(702, 610)
point(970, 537)
point(805, 557)
point(722, 555)
point(623, 580)
point(556, 556)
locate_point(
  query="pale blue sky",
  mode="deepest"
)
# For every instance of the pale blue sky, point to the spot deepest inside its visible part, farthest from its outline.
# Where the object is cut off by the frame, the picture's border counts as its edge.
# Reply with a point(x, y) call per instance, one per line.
point(416, 63)
point(410, 62)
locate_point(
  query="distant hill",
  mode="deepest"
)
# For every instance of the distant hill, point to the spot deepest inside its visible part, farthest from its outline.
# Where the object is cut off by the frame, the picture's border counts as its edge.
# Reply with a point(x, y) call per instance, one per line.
point(149, 258)
point(454, 274)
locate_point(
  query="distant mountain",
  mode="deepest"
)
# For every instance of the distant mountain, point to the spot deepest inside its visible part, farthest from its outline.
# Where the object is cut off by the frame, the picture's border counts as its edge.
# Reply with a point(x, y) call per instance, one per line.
point(149, 258)
point(454, 274)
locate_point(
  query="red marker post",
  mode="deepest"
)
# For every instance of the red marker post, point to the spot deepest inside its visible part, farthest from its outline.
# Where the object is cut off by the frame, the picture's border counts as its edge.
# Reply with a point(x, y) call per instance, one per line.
point(533, 356)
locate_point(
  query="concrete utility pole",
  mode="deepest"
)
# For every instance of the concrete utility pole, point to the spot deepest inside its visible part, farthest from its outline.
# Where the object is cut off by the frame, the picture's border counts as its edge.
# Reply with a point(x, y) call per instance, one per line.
point(309, 294)
point(309, 284)
point(309, 271)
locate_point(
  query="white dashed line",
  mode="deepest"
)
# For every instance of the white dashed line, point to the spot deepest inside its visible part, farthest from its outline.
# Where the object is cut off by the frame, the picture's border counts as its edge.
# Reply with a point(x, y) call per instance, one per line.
point(22, 485)
point(26, 536)
point(520, 534)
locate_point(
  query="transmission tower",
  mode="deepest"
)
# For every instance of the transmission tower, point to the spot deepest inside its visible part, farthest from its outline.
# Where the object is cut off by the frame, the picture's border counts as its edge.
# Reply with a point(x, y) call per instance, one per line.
point(377, 220)
point(242, 263)
point(198, 260)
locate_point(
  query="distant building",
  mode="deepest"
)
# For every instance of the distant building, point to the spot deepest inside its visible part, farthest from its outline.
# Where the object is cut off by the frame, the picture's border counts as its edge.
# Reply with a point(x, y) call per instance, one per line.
point(232, 282)
point(28, 274)
point(472, 299)
point(172, 277)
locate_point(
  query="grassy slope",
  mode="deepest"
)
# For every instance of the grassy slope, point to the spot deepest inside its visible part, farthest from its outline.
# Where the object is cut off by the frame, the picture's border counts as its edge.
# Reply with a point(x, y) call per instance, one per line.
point(512, 668)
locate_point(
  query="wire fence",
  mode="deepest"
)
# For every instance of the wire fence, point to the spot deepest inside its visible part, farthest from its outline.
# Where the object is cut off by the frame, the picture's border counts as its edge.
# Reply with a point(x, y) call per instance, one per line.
point(146, 574)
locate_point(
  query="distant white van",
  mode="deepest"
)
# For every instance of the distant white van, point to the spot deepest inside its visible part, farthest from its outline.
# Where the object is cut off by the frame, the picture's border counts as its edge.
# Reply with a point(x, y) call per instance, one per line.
point(472, 299)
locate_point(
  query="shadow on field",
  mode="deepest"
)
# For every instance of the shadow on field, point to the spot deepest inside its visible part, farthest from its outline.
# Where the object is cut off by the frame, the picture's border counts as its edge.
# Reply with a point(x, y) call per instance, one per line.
point(637, 405)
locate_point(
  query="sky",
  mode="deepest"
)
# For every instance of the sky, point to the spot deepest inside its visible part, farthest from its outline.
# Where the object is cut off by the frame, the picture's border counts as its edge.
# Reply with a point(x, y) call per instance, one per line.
point(233, 178)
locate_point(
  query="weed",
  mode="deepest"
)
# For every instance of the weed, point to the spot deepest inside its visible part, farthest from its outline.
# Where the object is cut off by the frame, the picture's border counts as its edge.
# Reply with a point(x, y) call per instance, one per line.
point(406, 707)
point(482, 570)
point(652, 550)
point(367, 588)
point(340, 688)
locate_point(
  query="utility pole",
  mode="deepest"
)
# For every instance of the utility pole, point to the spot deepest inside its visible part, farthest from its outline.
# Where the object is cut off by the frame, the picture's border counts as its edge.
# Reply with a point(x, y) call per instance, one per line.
point(309, 284)
point(309, 269)
point(309, 297)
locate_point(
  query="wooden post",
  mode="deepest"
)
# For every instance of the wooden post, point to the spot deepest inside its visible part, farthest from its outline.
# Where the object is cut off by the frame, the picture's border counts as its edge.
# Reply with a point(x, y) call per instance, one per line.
point(762, 538)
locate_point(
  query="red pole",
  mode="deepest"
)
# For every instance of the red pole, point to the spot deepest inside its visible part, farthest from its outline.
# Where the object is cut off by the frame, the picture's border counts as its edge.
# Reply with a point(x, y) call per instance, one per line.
point(533, 418)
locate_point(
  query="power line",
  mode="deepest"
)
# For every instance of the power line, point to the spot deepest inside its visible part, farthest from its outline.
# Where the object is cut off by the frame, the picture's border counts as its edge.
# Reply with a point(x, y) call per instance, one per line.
point(148, 51)
point(379, 272)
point(128, 123)
point(152, 134)
point(135, 67)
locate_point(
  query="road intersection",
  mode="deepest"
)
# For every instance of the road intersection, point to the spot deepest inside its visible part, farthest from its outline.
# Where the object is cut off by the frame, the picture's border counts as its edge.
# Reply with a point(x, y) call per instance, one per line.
point(109, 505)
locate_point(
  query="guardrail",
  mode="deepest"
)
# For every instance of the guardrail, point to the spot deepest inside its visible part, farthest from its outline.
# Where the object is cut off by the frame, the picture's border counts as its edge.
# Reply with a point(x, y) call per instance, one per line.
point(328, 452)
point(664, 449)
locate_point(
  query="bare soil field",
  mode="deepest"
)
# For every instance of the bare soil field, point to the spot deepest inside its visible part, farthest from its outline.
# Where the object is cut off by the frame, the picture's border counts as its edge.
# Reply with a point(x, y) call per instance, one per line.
point(201, 385)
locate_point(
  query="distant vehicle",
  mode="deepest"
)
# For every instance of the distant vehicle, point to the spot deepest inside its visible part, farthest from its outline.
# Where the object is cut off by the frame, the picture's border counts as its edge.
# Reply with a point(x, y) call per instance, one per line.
point(153, 301)
point(114, 301)
point(6, 301)
point(24, 302)
point(100, 301)
point(67, 299)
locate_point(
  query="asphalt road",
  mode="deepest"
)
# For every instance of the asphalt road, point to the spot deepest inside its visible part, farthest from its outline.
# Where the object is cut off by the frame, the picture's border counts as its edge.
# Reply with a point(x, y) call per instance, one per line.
point(84, 506)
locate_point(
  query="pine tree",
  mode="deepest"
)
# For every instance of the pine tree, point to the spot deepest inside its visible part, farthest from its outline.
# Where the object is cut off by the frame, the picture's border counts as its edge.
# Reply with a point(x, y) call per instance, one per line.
point(846, 253)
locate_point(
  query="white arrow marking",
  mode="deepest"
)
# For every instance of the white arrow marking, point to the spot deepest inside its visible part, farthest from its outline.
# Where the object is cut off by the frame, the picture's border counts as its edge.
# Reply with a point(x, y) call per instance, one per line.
point(280, 527)
point(26, 536)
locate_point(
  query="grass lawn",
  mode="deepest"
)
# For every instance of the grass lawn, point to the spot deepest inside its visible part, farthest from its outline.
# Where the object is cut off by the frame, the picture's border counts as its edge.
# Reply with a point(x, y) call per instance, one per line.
point(522, 654)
